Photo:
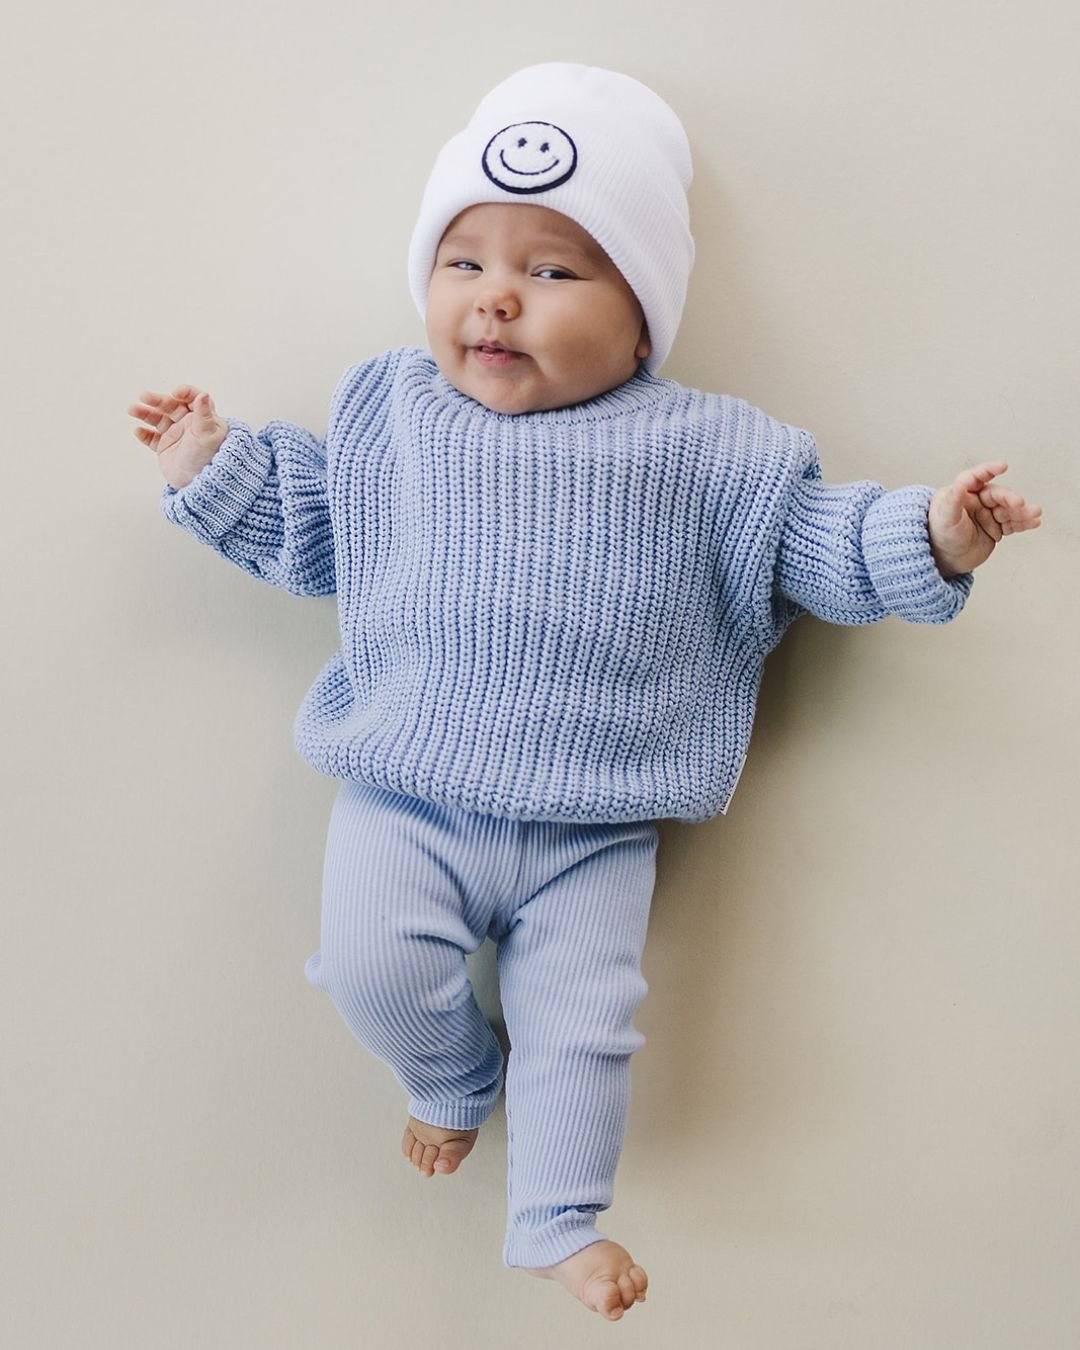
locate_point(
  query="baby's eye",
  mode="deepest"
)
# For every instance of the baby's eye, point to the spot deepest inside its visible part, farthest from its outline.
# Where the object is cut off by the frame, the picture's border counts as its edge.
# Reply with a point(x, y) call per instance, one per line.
point(556, 273)
point(464, 263)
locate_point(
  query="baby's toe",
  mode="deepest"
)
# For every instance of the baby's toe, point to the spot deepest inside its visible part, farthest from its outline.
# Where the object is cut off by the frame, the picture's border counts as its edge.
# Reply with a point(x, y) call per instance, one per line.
point(627, 1292)
point(606, 1298)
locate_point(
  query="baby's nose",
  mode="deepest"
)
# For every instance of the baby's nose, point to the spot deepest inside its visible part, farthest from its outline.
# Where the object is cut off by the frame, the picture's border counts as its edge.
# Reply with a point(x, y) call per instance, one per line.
point(501, 302)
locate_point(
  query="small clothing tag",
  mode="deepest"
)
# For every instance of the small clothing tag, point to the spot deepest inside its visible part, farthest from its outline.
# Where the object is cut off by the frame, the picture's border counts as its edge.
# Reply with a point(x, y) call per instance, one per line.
point(727, 800)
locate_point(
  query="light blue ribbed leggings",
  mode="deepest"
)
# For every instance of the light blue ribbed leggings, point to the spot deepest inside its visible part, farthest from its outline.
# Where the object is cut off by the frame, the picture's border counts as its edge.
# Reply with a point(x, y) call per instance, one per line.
point(410, 888)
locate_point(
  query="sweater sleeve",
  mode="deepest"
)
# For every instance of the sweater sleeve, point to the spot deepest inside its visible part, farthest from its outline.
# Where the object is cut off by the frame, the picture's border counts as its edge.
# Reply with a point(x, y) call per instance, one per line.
point(262, 503)
point(854, 553)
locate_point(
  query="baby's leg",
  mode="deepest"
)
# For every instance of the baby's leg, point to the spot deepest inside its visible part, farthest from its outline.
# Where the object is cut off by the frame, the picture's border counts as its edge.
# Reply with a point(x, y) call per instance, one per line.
point(396, 928)
point(570, 980)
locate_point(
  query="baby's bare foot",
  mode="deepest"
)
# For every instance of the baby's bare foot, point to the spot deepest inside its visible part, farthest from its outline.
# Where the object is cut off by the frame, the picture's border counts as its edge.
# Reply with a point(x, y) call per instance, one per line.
point(431, 1149)
point(603, 1275)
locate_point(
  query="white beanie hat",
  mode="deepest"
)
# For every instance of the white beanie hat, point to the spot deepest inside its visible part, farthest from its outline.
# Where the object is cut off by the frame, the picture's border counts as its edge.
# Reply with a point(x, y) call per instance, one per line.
point(596, 146)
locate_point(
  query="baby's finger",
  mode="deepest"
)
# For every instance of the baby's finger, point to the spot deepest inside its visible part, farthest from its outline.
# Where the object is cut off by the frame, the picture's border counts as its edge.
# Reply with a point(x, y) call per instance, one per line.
point(156, 400)
point(988, 522)
point(154, 424)
point(995, 494)
point(151, 415)
point(164, 410)
point(204, 413)
point(971, 480)
point(1012, 519)
point(1007, 504)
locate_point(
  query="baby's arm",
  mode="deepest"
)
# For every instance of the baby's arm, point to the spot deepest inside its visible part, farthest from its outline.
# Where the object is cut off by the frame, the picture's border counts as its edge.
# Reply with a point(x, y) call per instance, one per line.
point(854, 553)
point(258, 500)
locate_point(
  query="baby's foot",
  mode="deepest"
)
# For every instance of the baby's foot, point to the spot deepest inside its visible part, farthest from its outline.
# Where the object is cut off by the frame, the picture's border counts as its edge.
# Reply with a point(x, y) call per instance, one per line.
point(431, 1149)
point(603, 1275)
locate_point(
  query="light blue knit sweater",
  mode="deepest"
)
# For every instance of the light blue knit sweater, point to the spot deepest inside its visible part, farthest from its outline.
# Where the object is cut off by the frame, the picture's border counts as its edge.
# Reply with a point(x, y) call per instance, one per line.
point(559, 615)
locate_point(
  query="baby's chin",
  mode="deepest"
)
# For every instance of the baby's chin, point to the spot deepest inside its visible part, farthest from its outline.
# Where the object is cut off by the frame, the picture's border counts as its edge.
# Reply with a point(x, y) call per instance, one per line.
point(500, 396)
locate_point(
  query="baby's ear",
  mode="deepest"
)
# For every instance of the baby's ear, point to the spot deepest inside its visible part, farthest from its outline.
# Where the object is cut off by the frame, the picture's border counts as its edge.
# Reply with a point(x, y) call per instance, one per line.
point(644, 346)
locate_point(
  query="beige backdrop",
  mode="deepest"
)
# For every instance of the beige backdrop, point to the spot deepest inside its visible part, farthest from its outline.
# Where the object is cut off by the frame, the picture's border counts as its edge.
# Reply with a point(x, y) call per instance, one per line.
point(854, 1123)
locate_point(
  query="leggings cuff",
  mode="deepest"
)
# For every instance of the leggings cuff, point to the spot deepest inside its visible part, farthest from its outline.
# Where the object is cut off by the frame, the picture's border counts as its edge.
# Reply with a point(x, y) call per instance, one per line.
point(460, 1115)
point(552, 1243)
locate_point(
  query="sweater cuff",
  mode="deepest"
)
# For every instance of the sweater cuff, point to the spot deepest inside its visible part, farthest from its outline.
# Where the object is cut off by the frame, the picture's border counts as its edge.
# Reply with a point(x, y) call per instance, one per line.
point(896, 549)
point(223, 491)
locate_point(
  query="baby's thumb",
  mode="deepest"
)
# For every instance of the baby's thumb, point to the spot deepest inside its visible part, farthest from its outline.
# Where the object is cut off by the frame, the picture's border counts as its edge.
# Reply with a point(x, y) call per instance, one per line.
point(204, 405)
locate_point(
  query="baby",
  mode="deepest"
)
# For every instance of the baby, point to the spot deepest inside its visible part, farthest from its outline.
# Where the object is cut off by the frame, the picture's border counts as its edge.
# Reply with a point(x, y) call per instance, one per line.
point(558, 577)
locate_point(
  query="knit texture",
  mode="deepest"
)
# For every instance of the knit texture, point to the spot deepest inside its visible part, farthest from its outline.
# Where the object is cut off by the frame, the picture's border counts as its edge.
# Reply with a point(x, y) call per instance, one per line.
point(560, 615)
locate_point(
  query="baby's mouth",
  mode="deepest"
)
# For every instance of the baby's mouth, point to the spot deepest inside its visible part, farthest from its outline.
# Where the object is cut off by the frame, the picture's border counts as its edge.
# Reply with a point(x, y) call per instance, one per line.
point(495, 354)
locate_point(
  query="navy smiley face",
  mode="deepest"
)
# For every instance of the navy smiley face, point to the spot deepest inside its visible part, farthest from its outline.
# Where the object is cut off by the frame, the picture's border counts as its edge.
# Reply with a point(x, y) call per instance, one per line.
point(529, 157)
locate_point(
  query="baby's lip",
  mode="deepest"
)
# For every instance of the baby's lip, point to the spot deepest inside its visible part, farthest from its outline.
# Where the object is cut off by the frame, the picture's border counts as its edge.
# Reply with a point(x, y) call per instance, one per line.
point(496, 347)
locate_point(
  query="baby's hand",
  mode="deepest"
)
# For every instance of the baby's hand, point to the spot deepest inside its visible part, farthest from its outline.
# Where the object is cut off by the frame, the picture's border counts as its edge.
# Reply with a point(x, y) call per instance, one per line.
point(182, 429)
point(968, 518)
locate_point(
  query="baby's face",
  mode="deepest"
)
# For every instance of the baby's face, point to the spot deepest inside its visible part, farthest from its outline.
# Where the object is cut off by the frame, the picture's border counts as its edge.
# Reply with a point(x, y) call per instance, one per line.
point(566, 324)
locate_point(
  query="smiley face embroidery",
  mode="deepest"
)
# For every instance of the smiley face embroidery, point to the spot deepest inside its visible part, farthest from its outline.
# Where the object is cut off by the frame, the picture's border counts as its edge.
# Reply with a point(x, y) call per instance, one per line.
point(529, 157)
